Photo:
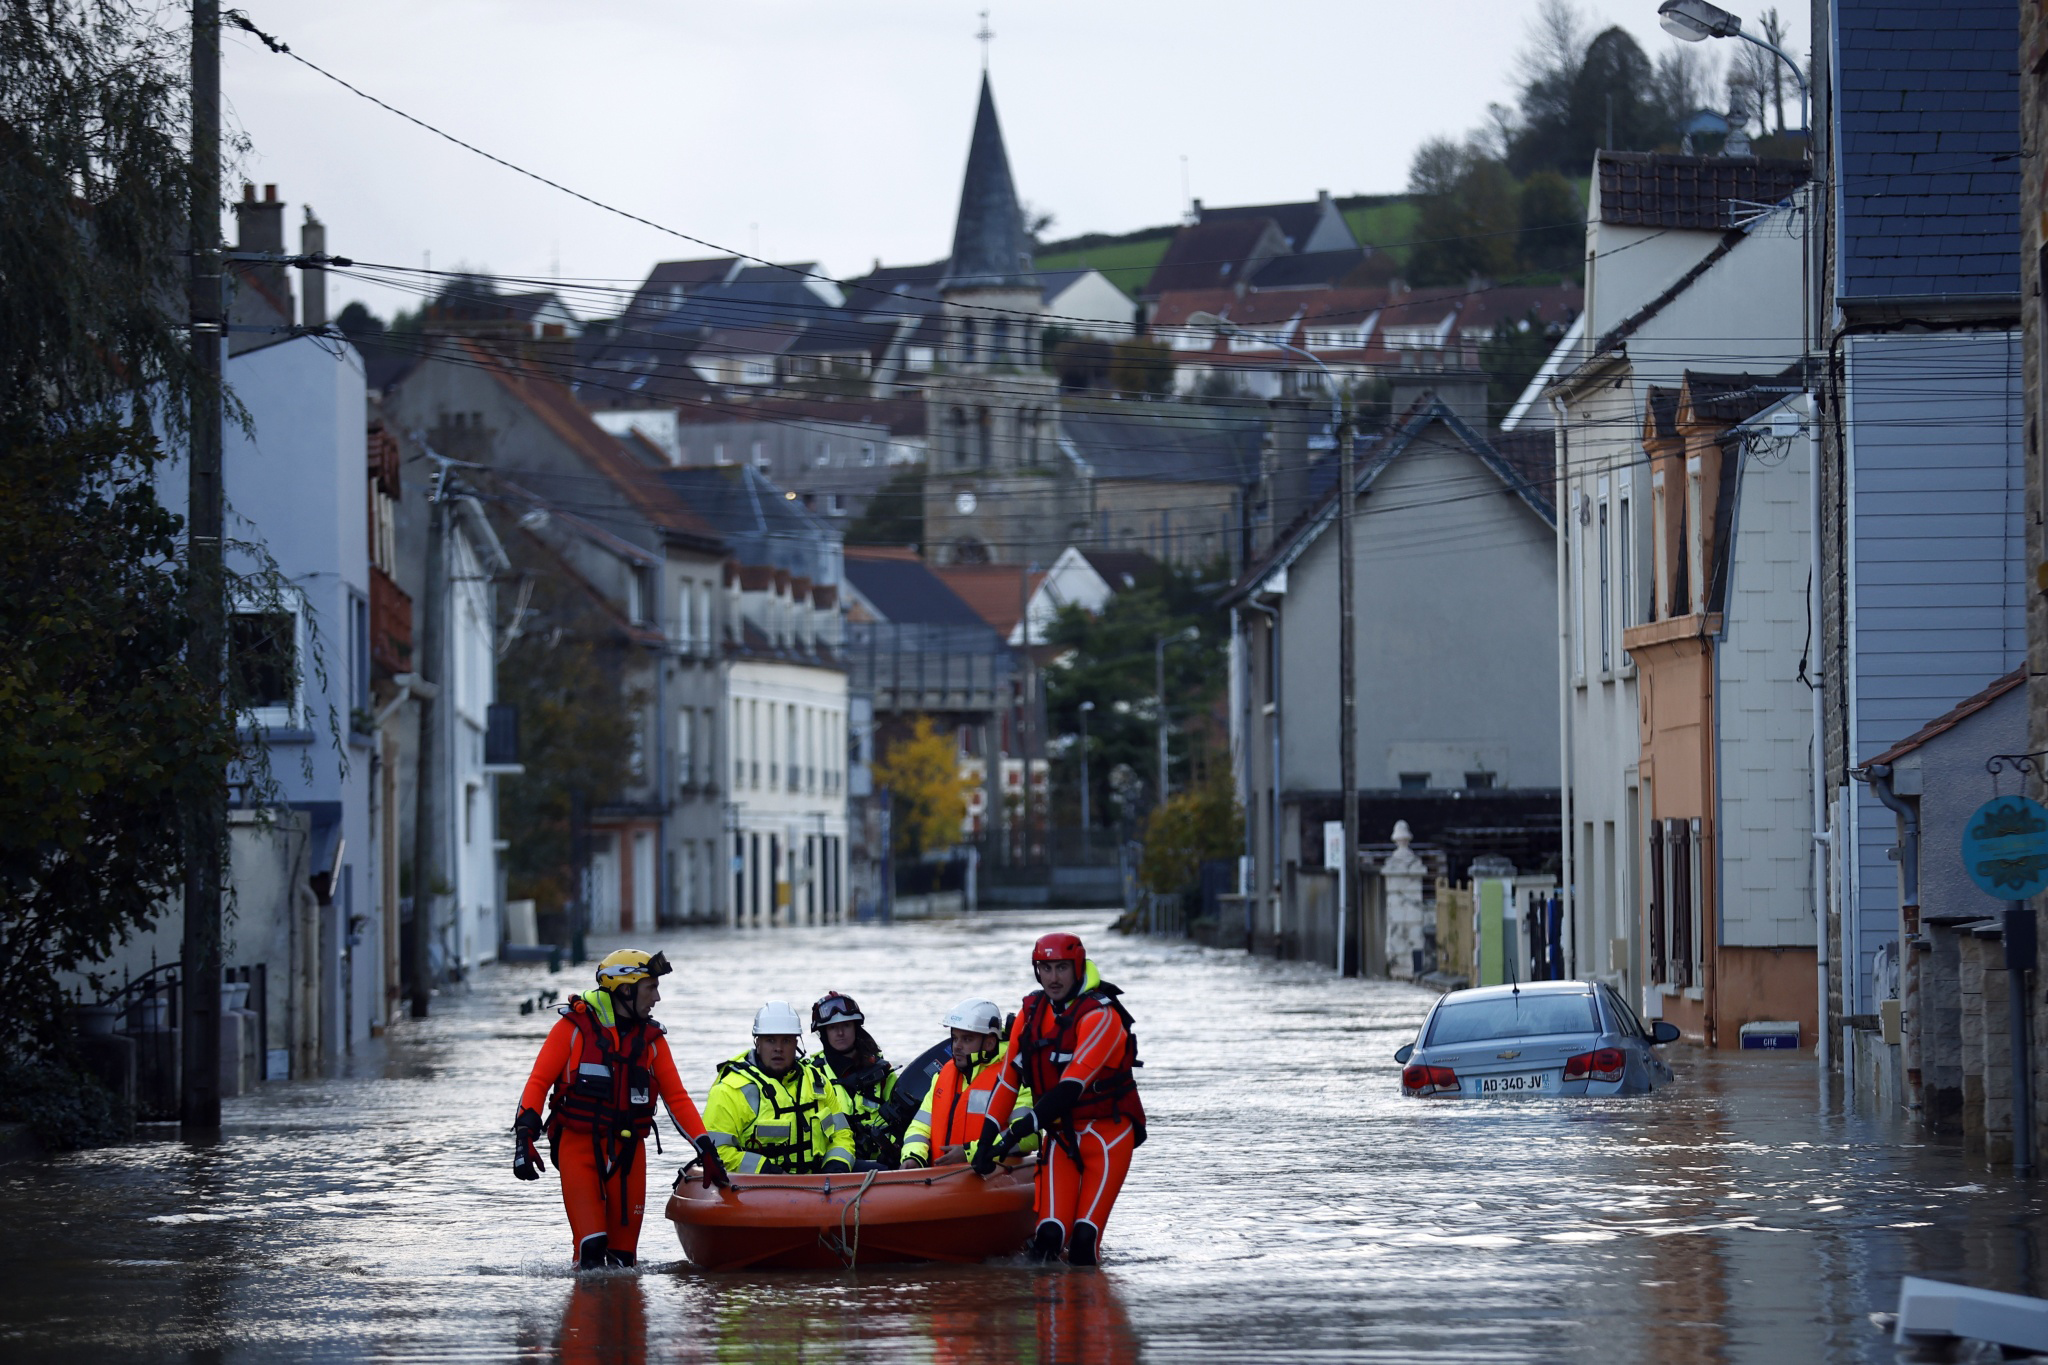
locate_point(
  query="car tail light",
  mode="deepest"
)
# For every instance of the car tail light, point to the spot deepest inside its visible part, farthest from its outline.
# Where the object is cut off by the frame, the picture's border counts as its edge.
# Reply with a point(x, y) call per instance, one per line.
point(1428, 1080)
point(1607, 1064)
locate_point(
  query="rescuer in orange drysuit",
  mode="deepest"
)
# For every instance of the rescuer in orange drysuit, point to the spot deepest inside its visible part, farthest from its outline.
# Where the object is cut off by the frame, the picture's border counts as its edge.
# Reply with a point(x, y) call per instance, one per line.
point(1072, 1045)
point(600, 1069)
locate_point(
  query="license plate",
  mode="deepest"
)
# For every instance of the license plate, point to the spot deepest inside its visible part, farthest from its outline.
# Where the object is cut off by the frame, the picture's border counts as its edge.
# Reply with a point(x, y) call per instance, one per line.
point(1526, 1083)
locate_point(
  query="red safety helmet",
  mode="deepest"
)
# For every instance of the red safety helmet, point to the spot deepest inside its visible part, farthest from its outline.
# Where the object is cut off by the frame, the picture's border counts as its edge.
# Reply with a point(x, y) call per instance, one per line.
point(1059, 948)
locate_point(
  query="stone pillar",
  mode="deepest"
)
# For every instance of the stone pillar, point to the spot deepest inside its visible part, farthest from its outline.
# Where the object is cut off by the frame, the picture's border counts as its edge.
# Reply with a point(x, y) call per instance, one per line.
point(1970, 1031)
point(1402, 874)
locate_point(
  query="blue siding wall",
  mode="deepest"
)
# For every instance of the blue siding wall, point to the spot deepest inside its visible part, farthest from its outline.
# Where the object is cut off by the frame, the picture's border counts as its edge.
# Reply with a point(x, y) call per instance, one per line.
point(1928, 125)
point(1936, 443)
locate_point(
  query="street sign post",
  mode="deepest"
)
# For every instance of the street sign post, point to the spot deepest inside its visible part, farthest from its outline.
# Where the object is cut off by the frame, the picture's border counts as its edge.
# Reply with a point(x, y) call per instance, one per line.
point(2005, 851)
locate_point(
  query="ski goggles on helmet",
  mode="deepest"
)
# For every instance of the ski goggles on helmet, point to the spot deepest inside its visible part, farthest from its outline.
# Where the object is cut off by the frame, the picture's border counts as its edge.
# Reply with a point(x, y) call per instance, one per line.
point(835, 1009)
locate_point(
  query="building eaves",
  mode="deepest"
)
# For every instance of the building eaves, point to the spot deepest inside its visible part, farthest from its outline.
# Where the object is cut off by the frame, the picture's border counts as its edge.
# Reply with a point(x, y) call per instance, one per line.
point(1633, 323)
point(1951, 718)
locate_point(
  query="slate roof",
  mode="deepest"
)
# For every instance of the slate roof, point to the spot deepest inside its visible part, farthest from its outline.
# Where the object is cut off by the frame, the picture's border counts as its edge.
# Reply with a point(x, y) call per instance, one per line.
point(657, 294)
point(988, 237)
point(1215, 255)
point(1708, 193)
point(1121, 569)
point(1124, 441)
point(1734, 397)
point(1522, 469)
point(1663, 408)
point(757, 522)
point(905, 590)
point(1297, 221)
point(1928, 144)
point(1311, 270)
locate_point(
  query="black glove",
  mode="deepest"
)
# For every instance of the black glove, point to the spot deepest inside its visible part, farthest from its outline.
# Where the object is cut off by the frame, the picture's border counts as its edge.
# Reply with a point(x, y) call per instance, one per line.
point(984, 1159)
point(1056, 1104)
point(526, 1162)
point(837, 1163)
point(914, 1163)
point(714, 1168)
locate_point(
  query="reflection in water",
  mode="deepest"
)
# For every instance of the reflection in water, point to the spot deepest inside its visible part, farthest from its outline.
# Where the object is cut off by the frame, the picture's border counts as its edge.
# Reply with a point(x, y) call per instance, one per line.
point(1732, 1217)
point(605, 1321)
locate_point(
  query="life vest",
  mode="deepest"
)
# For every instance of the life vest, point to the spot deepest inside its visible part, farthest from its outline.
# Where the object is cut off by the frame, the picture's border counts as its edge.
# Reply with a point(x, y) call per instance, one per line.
point(1049, 1037)
point(958, 1111)
point(864, 1094)
point(609, 1090)
point(787, 1132)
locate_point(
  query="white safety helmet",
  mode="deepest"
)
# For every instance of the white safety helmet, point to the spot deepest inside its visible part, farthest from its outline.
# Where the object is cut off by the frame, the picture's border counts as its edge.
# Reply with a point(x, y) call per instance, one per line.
point(777, 1018)
point(976, 1016)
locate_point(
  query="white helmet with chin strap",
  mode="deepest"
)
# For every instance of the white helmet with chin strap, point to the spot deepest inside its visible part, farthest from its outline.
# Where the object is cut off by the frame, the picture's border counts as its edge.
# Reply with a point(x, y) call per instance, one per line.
point(976, 1016)
point(777, 1018)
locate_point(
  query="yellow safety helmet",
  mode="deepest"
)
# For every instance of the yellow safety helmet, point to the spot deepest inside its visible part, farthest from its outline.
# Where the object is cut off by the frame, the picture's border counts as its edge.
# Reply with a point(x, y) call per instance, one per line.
point(628, 966)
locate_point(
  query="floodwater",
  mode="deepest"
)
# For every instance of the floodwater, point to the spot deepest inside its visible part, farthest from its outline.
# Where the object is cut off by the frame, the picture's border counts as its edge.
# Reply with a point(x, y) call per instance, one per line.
point(1289, 1206)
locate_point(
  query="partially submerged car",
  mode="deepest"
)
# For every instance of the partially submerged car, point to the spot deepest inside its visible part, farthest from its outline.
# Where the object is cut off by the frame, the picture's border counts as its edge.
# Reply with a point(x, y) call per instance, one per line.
point(1543, 1038)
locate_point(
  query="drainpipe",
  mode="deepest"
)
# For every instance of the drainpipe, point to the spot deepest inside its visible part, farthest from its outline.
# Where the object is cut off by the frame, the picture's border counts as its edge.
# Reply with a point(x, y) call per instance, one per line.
point(1823, 838)
point(1272, 615)
point(1564, 680)
point(1879, 776)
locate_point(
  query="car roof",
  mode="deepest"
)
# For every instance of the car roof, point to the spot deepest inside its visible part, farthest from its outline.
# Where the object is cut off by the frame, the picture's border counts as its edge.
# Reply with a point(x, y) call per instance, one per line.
point(1525, 988)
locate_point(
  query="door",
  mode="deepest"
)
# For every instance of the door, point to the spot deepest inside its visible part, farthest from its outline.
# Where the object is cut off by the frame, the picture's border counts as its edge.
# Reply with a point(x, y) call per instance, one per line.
point(643, 881)
point(604, 883)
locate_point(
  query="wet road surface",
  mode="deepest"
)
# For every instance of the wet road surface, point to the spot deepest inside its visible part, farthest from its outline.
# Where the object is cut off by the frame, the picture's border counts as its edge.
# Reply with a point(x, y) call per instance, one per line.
point(1290, 1205)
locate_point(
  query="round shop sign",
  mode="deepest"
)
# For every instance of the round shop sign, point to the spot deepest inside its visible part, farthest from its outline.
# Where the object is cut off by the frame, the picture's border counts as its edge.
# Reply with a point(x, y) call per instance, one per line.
point(2005, 847)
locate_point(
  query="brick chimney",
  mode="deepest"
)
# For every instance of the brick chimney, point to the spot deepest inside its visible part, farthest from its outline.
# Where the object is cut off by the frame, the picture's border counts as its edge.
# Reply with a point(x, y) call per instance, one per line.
point(313, 282)
point(262, 292)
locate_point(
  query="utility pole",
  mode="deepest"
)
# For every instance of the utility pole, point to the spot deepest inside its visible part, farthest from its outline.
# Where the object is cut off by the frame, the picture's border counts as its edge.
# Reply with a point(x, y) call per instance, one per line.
point(1159, 691)
point(1027, 703)
point(427, 854)
point(1347, 714)
point(206, 822)
point(1087, 839)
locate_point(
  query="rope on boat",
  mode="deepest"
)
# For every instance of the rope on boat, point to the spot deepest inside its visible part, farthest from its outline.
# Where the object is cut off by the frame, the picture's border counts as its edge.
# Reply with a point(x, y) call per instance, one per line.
point(848, 1251)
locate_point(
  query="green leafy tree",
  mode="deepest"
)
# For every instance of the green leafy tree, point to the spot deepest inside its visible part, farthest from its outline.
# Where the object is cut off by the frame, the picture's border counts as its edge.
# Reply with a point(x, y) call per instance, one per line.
point(1109, 658)
point(895, 514)
point(1192, 827)
point(1141, 365)
point(564, 670)
point(106, 736)
point(1553, 224)
point(927, 793)
point(1469, 219)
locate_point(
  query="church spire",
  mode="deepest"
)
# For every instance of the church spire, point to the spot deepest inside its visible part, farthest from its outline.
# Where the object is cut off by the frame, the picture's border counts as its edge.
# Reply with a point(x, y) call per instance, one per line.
point(989, 249)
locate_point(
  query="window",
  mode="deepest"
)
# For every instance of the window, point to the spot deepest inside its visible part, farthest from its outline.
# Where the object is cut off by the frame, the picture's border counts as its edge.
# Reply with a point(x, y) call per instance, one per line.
point(867, 451)
point(1414, 782)
point(1625, 547)
point(469, 792)
point(636, 756)
point(824, 455)
point(359, 699)
point(1479, 781)
point(999, 346)
point(1606, 600)
point(1660, 549)
point(686, 747)
point(791, 754)
point(835, 503)
point(718, 452)
point(686, 625)
point(1575, 552)
point(1522, 1015)
point(760, 457)
point(774, 759)
point(1696, 583)
point(639, 594)
point(263, 654)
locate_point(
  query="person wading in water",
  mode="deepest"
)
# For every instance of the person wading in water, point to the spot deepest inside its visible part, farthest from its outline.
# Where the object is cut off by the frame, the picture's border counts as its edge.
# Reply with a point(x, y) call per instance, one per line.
point(602, 1066)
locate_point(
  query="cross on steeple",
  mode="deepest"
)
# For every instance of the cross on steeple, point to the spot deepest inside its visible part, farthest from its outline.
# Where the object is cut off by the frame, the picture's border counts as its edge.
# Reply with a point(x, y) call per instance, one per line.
point(983, 36)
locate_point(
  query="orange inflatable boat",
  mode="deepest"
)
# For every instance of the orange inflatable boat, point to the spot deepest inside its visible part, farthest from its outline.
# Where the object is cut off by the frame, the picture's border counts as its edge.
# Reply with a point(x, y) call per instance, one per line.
point(826, 1222)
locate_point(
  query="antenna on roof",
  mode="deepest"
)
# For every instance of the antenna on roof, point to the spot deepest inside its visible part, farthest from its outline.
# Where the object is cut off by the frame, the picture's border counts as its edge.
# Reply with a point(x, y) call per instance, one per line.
point(983, 35)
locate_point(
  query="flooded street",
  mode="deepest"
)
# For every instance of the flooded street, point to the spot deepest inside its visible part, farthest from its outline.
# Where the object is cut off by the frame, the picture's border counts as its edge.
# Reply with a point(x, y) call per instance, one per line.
point(1290, 1205)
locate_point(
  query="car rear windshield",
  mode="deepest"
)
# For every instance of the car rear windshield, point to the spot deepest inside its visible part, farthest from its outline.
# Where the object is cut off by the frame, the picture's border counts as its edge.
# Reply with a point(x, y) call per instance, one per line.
point(1513, 1016)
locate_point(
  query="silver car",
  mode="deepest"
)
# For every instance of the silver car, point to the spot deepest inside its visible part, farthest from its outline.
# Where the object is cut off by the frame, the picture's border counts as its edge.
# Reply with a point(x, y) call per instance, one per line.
point(1543, 1038)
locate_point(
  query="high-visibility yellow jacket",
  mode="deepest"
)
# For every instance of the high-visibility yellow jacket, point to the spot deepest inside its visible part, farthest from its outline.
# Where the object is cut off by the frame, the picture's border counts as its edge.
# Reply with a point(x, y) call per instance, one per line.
point(864, 1105)
point(952, 1113)
point(770, 1125)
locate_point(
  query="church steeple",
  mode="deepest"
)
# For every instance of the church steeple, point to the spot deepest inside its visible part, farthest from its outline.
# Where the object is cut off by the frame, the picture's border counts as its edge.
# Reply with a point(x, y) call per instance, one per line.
point(989, 248)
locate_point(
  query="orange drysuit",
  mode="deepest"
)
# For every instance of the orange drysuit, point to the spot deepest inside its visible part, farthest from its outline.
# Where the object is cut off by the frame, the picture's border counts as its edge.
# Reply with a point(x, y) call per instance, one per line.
point(600, 1076)
point(1088, 1151)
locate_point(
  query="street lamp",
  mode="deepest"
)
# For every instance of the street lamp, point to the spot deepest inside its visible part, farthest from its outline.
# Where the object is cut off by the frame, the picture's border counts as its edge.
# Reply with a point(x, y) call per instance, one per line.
point(1695, 21)
point(1159, 682)
point(1085, 708)
point(1347, 665)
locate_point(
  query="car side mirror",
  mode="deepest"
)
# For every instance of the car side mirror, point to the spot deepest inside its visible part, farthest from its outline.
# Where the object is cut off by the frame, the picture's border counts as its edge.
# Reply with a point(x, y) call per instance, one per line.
point(1662, 1032)
point(1404, 1052)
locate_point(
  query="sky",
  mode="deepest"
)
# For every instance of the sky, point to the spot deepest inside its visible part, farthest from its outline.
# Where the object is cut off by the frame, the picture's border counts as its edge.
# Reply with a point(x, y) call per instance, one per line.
point(835, 132)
